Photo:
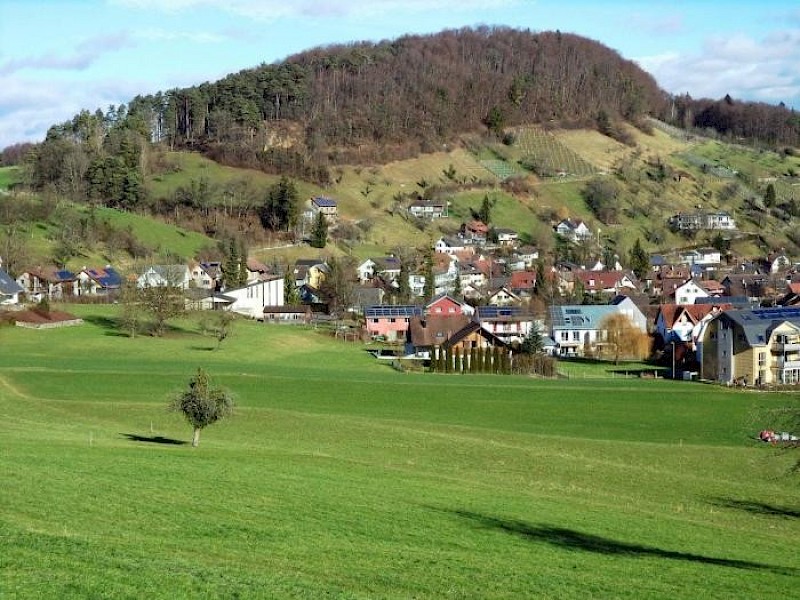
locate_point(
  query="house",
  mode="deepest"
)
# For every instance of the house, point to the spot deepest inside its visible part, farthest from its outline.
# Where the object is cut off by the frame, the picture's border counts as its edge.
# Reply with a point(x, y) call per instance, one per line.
point(577, 329)
point(310, 272)
point(206, 275)
point(428, 209)
point(450, 245)
point(512, 324)
point(704, 257)
point(523, 283)
point(387, 267)
point(256, 270)
point(326, 206)
point(475, 232)
point(503, 297)
point(296, 315)
point(506, 238)
point(471, 276)
point(446, 305)
point(429, 335)
point(610, 283)
point(98, 282)
point(251, 299)
point(702, 220)
point(689, 291)
point(678, 322)
point(528, 255)
point(575, 231)
point(9, 289)
point(178, 276)
point(51, 282)
point(753, 286)
point(779, 263)
point(390, 321)
point(757, 346)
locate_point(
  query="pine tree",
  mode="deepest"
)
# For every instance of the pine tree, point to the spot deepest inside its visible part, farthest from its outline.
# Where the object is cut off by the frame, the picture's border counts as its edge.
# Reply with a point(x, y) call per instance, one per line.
point(319, 232)
point(291, 296)
point(639, 260)
point(429, 291)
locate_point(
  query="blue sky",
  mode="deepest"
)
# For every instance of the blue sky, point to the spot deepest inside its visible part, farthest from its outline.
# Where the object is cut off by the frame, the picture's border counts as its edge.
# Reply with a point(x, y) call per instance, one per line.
point(59, 56)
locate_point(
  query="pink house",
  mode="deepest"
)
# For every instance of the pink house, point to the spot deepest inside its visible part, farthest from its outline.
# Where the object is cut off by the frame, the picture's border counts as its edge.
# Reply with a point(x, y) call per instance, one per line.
point(445, 305)
point(390, 321)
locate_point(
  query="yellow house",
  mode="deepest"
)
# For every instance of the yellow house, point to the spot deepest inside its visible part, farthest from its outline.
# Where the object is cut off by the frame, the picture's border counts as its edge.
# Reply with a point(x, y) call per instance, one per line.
point(759, 346)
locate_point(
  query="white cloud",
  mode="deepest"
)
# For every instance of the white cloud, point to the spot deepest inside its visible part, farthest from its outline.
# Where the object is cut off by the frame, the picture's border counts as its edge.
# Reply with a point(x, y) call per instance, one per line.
point(81, 57)
point(198, 37)
point(739, 65)
point(29, 107)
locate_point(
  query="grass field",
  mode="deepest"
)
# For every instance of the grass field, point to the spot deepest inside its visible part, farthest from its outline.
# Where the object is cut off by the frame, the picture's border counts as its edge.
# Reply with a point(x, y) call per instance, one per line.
point(339, 477)
point(8, 176)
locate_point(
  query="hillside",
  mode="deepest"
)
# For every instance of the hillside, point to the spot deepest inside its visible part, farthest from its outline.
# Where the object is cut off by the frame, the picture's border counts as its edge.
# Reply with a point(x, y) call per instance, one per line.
point(534, 181)
point(525, 120)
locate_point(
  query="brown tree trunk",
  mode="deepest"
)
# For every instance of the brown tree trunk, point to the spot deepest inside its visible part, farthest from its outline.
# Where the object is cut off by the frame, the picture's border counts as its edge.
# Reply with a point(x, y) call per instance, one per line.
point(196, 437)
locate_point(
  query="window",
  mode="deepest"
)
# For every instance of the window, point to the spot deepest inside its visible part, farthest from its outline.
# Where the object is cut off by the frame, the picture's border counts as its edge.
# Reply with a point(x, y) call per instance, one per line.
point(762, 360)
point(576, 336)
point(564, 336)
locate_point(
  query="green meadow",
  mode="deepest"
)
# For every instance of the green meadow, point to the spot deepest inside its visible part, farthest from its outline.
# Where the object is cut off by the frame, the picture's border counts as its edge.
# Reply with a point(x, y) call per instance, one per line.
point(339, 477)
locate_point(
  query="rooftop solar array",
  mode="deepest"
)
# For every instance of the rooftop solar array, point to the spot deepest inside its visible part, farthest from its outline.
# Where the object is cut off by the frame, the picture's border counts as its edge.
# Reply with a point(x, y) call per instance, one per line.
point(494, 312)
point(388, 310)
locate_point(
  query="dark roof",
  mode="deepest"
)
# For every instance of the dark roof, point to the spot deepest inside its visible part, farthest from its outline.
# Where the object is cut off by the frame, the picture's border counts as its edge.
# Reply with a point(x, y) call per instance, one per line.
point(758, 323)
point(106, 277)
point(501, 312)
point(392, 310)
point(8, 286)
point(324, 202)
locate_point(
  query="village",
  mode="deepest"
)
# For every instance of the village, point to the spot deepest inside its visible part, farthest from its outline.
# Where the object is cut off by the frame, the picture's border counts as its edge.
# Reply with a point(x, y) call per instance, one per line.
point(734, 322)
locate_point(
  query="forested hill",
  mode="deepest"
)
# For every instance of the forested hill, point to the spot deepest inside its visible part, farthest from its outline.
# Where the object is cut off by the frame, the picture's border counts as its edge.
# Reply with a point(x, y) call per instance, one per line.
point(380, 101)
point(376, 102)
point(418, 91)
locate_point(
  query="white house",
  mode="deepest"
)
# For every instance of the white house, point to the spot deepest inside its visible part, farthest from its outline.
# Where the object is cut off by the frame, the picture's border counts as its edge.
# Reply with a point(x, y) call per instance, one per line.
point(9, 289)
point(576, 328)
point(704, 257)
point(449, 245)
point(326, 206)
point(251, 299)
point(165, 275)
point(573, 230)
point(689, 292)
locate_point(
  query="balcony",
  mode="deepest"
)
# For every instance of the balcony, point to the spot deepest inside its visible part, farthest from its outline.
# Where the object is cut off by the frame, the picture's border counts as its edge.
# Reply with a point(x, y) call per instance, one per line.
point(787, 347)
point(785, 364)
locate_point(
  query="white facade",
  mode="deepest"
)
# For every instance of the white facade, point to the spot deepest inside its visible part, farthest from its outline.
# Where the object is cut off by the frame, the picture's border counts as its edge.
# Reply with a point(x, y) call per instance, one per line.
point(689, 292)
point(251, 299)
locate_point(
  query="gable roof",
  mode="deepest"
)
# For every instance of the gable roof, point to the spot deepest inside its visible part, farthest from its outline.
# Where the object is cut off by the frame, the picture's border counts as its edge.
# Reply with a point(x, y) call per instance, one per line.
point(107, 277)
point(324, 202)
point(8, 286)
point(523, 280)
point(377, 311)
point(671, 312)
point(52, 274)
point(434, 330)
point(580, 316)
point(757, 324)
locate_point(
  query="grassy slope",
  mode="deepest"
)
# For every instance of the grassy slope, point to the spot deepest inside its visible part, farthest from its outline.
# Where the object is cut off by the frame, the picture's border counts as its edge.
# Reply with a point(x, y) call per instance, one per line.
point(8, 176)
point(340, 477)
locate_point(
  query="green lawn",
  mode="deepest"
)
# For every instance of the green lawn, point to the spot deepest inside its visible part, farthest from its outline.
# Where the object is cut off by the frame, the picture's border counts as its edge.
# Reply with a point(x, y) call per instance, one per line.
point(340, 477)
point(8, 176)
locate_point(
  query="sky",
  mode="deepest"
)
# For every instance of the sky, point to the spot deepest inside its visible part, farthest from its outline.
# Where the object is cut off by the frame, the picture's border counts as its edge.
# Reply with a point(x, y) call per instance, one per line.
point(60, 56)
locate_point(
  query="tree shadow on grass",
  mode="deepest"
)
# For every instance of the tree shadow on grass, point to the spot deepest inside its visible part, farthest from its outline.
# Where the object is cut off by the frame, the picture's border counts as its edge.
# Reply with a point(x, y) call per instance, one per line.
point(757, 508)
point(110, 325)
point(154, 439)
point(571, 539)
